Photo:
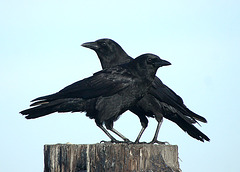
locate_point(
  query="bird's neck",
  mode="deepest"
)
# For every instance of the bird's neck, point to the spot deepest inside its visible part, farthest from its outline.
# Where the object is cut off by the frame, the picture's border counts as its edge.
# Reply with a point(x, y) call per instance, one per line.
point(114, 60)
point(141, 71)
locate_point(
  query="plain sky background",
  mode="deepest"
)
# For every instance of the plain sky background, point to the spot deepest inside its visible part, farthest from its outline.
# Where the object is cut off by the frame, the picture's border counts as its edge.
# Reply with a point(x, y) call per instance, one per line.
point(40, 54)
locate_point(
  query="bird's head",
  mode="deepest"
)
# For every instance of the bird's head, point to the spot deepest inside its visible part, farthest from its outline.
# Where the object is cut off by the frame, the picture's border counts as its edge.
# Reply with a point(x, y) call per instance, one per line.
point(152, 60)
point(149, 63)
point(105, 46)
point(109, 52)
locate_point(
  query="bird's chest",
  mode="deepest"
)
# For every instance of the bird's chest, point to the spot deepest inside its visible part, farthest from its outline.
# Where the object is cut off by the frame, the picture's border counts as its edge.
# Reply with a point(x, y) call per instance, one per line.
point(134, 93)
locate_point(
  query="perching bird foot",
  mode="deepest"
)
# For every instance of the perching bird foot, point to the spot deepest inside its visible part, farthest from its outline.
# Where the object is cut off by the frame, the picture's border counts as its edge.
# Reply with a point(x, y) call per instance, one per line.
point(103, 141)
point(158, 142)
point(111, 141)
point(125, 141)
point(140, 142)
point(116, 141)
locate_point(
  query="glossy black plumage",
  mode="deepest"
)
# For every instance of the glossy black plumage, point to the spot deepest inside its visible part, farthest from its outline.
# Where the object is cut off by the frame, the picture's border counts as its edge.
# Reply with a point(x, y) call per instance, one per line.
point(161, 100)
point(105, 95)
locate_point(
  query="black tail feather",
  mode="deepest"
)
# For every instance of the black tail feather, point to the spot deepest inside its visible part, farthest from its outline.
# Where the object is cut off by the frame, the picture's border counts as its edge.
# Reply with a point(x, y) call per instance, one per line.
point(42, 98)
point(187, 127)
point(61, 105)
point(196, 116)
point(184, 122)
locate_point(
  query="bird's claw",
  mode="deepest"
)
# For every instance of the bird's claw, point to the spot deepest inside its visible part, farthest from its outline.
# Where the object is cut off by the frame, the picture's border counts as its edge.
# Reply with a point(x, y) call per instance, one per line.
point(117, 141)
point(140, 142)
point(103, 141)
point(159, 142)
point(127, 141)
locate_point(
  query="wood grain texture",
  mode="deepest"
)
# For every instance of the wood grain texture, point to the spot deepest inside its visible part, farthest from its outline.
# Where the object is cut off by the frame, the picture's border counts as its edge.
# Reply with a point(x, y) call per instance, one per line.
point(110, 157)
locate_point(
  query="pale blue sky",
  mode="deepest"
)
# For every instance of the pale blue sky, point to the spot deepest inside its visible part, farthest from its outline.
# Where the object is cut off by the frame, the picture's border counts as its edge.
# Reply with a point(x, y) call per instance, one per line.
point(40, 54)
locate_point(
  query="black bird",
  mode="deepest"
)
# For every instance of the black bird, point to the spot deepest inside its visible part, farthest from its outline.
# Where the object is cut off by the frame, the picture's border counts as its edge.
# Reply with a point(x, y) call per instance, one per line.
point(105, 95)
point(160, 102)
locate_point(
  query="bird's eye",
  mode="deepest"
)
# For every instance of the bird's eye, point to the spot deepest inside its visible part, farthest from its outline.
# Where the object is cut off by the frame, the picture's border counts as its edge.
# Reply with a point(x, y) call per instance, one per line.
point(103, 44)
point(149, 60)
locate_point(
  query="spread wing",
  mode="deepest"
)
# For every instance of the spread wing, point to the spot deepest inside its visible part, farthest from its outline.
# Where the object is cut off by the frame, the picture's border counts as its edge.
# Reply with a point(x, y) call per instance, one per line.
point(104, 83)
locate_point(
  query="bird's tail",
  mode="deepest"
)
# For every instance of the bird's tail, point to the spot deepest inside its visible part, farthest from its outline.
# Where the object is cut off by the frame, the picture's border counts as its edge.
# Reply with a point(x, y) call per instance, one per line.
point(193, 131)
point(195, 116)
point(60, 105)
point(188, 127)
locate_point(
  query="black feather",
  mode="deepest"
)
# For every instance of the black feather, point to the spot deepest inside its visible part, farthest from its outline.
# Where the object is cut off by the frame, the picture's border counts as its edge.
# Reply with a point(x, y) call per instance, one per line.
point(164, 103)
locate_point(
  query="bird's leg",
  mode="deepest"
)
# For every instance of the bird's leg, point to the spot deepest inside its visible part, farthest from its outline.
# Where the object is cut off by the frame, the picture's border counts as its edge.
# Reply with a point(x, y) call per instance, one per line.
point(109, 126)
point(144, 123)
point(154, 140)
point(113, 140)
point(140, 134)
point(120, 135)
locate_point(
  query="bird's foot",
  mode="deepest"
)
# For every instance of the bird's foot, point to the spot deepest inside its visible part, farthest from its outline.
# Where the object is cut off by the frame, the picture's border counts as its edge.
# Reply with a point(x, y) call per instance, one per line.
point(158, 142)
point(117, 141)
point(137, 141)
point(140, 142)
point(127, 141)
point(103, 141)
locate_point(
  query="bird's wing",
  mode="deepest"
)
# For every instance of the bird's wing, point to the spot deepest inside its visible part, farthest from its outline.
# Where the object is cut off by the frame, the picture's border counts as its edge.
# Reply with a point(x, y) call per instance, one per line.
point(104, 83)
point(165, 94)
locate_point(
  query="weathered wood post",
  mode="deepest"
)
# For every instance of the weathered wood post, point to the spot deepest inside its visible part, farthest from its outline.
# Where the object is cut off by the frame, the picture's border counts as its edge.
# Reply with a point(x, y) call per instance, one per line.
point(110, 158)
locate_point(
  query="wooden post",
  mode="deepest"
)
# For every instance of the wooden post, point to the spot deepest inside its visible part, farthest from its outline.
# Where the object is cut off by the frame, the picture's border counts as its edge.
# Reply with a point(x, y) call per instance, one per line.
point(110, 158)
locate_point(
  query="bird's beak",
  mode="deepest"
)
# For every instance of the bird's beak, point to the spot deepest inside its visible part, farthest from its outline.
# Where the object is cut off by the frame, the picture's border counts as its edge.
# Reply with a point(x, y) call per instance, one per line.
point(161, 63)
point(91, 45)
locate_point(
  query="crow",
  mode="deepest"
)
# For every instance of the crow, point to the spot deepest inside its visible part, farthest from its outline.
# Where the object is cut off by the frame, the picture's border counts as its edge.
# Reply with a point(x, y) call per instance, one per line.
point(105, 95)
point(160, 102)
